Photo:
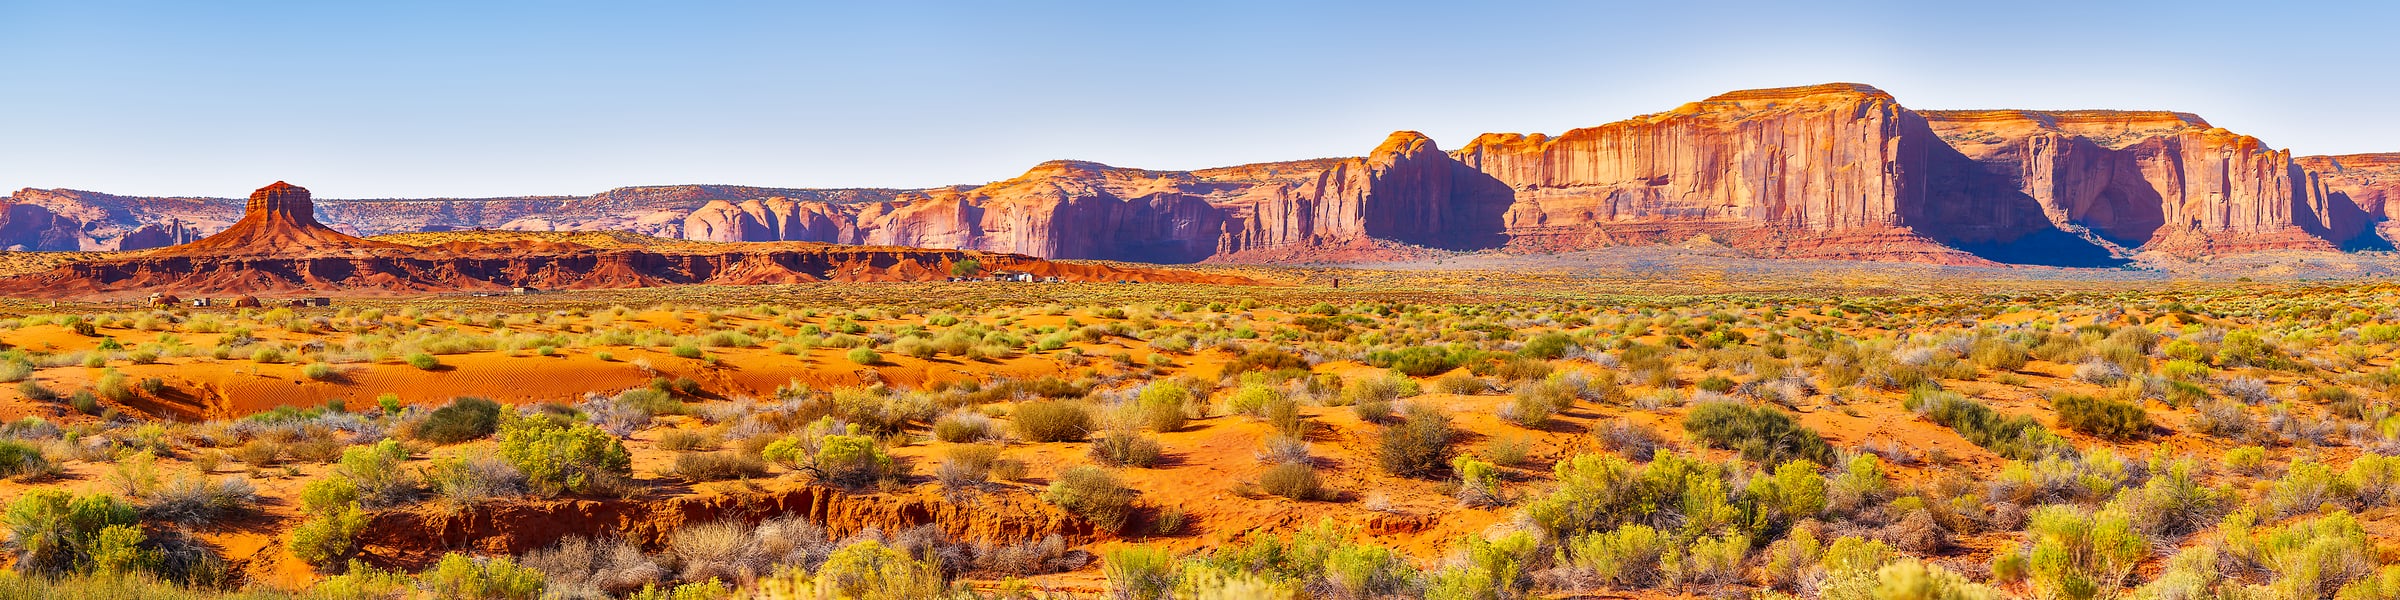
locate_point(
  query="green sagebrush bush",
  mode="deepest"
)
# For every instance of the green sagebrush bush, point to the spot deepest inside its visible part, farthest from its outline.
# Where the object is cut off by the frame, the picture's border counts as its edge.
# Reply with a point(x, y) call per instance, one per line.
point(2106, 418)
point(463, 419)
point(558, 457)
point(1760, 433)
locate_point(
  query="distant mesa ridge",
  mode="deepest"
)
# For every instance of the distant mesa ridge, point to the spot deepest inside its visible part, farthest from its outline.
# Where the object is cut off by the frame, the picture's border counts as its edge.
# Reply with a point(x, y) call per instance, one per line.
point(1836, 171)
point(278, 248)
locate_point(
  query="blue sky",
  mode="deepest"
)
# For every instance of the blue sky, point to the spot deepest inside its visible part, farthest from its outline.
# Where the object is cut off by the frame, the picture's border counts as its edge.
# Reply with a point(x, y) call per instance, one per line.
point(413, 99)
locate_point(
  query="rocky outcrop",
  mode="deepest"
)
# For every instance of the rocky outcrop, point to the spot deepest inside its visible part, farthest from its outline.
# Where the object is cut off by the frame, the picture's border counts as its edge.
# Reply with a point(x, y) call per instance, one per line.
point(1830, 171)
point(2155, 181)
point(279, 220)
point(2368, 184)
point(107, 219)
point(278, 248)
point(1839, 171)
point(32, 227)
point(158, 235)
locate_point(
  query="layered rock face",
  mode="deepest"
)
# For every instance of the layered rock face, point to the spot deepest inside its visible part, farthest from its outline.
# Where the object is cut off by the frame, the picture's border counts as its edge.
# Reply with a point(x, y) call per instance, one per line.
point(158, 235)
point(1407, 190)
point(32, 227)
point(107, 220)
point(1839, 171)
point(1830, 171)
point(279, 247)
point(2366, 183)
point(2155, 180)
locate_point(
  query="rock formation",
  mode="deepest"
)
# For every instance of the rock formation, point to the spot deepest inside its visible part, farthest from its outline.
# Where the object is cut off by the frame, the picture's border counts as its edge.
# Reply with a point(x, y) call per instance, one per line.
point(2154, 180)
point(158, 235)
point(278, 247)
point(2368, 184)
point(32, 227)
point(1839, 171)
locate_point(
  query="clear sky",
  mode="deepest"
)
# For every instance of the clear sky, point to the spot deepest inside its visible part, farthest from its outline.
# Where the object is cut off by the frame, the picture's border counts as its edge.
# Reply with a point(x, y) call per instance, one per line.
point(486, 98)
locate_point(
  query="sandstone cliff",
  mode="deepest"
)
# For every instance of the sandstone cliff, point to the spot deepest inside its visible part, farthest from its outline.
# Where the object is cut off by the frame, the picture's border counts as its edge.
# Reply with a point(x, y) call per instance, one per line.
point(278, 247)
point(2154, 180)
point(32, 227)
point(2368, 184)
point(1841, 171)
point(158, 235)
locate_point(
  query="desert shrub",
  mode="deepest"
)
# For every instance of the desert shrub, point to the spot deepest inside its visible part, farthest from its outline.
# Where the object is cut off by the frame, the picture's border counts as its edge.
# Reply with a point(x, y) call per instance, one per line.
point(2246, 459)
point(471, 480)
point(967, 465)
point(1294, 480)
point(1500, 568)
point(1264, 359)
point(2246, 348)
point(23, 461)
point(1140, 573)
point(1713, 560)
point(35, 391)
point(375, 469)
point(851, 461)
point(559, 458)
point(1052, 420)
point(58, 532)
point(1548, 346)
point(864, 356)
point(1861, 482)
point(2111, 419)
point(1162, 406)
point(1761, 434)
point(1915, 580)
point(719, 466)
point(2018, 437)
point(651, 401)
point(1093, 493)
point(685, 440)
point(463, 419)
point(1629, 439)
point(1997, 354)
point(85, 402)
point(2310, 558)
point(1460, 383)
point(1627, 557)
point(1252, 399)
point(494, 578)
point(423, 361)
point(1419, 361)
point(964, 426)
point(865, 570)
point(881, 412)
point(1478, 482)
point(197, 500)
point(2077, 554)
point(1600, 492)
point(1794, 491)
point(2173, 504)
point(1367, 390)
point(1317, 557)
point(1419, 445)
point(318, 371)
point(328, 537)
point(1126, 447)
point(583, 567)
